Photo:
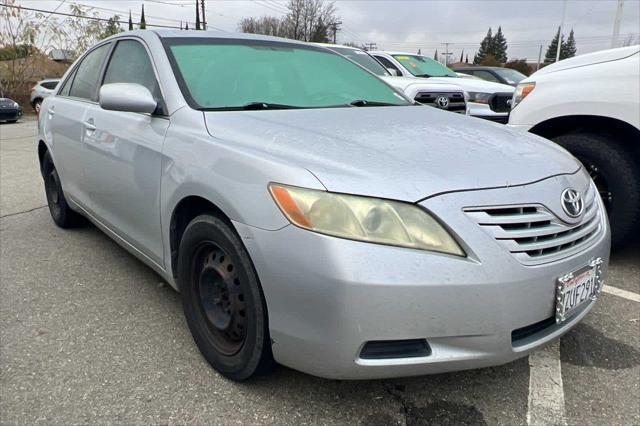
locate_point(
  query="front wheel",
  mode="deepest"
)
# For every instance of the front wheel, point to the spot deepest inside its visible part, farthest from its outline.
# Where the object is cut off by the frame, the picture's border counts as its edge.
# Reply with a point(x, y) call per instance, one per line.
point(222, 299)
point(614, 170)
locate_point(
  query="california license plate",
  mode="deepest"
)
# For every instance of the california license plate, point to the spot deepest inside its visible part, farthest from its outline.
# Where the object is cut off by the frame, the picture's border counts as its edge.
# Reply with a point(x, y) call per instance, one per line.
point(577, 288)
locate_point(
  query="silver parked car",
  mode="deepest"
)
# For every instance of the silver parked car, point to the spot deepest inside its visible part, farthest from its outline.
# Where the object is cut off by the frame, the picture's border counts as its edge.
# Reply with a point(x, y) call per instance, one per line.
point(312, 215)
point(41, 90)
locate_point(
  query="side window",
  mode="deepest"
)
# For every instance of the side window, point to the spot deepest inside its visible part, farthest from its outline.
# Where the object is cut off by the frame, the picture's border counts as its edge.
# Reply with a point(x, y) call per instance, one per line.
point(49, 85)
point(85, 81)
point(67, 84)
point(486, 75)
point(388, 64)
point(130, 63)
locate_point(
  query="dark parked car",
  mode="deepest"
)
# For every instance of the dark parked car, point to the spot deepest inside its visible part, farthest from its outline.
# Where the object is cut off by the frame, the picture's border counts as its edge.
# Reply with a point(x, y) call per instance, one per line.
point(495, 74)
point(9, 110)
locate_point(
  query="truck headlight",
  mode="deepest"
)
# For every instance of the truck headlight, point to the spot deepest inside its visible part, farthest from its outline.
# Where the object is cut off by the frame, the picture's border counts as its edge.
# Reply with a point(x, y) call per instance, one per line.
point(521, 92)
point(479, 97)
point(360, 218)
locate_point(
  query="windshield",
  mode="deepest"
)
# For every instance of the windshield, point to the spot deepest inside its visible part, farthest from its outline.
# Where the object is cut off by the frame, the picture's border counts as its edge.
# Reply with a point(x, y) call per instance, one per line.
point(362, 58)
point(511, 76)
point(256, 74)
point(422, 66)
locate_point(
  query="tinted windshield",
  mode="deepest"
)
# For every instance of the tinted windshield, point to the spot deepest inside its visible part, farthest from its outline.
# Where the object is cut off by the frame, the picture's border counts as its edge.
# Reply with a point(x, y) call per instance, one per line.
point(362, 58)
point(233, 74)
point(511, 76)
point(423, 66)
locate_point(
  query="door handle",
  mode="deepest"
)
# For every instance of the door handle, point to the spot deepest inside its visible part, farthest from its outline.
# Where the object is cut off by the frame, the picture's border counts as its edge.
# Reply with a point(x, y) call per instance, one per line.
point(89, 125)
point(51, 112)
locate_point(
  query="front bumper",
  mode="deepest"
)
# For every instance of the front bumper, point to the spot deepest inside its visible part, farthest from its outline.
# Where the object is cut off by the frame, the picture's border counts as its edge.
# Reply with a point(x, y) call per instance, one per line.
point(328, 297)
point(485, 112)
point(10, 114)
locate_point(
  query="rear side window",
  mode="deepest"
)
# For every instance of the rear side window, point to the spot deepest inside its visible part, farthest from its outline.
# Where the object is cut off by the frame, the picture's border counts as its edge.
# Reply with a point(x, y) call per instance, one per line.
point(49, 84)
point(388, 64)
point(130, 63)
point(85, 81)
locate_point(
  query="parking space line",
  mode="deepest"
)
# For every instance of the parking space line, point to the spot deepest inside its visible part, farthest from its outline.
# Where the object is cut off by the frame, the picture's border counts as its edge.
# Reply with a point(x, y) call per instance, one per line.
point(546, 394)
point(621, 293)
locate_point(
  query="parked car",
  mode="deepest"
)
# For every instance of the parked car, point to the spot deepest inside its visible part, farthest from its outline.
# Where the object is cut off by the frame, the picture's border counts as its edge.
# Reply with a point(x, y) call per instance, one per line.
point(445, 96)
point(311, 214)
point(491, 101)
point(41, 90)
point(495, 74)
point(590, 105)
point(10, 110)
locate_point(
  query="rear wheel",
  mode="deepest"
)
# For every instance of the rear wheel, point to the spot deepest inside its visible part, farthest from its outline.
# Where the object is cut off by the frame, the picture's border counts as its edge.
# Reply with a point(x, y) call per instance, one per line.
point(222, 299)
point(60, 211)
point(615, 172)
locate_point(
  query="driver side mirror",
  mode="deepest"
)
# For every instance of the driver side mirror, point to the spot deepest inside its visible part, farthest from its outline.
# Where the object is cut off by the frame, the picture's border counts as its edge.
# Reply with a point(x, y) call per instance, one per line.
point(130, 97)
point(394, 72)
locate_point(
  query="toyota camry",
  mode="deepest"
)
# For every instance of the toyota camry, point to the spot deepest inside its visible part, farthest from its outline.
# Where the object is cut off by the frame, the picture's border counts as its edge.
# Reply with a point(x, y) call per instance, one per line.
point(311, 215)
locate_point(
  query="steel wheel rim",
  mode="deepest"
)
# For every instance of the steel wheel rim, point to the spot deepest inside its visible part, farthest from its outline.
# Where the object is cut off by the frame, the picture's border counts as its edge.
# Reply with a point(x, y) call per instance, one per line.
point(220, 297)
point(601, 185)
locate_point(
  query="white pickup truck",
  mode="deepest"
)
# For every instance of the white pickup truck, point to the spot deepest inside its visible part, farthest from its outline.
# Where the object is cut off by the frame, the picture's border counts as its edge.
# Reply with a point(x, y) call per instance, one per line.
point(442, 95)
point(590, 105)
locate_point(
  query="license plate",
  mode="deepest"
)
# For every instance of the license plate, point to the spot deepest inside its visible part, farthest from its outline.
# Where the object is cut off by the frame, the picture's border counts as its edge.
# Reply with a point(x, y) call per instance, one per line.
point(577, 288)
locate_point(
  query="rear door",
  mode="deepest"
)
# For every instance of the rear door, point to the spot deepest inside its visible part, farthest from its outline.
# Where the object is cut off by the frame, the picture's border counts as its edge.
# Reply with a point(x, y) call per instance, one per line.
point(124, 155)
point(65, 114)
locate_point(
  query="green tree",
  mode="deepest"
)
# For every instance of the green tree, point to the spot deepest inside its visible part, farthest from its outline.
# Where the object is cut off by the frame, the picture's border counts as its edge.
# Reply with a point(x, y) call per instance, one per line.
point(490, 61)
point(130, 21)
point(486, 48)
point(143, 22)
point(461, 55)
point(467, 59)
point(112, 27)
point(550, 55)
point(499, 46)
point(435, 55)
point(568, 49)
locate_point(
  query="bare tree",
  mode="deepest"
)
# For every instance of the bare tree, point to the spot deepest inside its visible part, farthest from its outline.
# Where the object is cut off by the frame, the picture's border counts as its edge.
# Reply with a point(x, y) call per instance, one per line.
point(630, 40)
point(307, 20)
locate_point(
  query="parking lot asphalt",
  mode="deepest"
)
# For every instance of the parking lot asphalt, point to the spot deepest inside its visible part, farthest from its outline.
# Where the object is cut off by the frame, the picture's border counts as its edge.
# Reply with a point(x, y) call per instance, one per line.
point(91, 335)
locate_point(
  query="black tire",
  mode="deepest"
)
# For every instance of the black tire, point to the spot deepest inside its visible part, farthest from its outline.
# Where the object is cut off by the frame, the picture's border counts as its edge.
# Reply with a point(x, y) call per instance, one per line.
point(616, 172)
point(222, 299)
point(60, 211)
point(37, 104)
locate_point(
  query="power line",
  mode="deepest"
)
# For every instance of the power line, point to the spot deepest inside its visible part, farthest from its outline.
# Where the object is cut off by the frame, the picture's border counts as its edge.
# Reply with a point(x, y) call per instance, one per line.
point(93, 18)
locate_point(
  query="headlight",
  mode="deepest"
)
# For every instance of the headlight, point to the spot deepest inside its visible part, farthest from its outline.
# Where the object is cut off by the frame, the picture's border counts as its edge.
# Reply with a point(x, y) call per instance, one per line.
point(479, 97)
point(15, 104)
point(364, 219)
point(522, 90)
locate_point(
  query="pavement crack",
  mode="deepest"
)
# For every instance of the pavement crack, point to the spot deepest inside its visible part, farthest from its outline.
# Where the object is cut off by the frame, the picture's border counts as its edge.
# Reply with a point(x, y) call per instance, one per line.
point(23, 212)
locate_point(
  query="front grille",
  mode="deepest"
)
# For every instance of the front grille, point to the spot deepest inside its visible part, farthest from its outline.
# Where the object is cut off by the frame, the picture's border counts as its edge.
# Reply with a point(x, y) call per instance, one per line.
point(500, 102)
point(456, 102)
point(534, 235)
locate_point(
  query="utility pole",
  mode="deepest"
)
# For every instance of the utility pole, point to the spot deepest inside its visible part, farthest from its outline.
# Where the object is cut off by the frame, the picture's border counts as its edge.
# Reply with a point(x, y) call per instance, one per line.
point(539, 58)
point(204, 17)
point(564, 12)
point(616, 24)
point(446, 54)
point(335, 27)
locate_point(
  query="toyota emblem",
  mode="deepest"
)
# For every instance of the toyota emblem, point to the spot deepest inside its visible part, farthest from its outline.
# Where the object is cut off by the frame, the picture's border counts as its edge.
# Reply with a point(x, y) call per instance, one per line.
point(572, 202)
point(442, 102)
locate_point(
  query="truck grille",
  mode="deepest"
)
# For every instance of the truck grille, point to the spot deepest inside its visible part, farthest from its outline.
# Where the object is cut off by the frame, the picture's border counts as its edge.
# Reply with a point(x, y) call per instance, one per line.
point(534, 235)
point(454, 100)
point(501, 102)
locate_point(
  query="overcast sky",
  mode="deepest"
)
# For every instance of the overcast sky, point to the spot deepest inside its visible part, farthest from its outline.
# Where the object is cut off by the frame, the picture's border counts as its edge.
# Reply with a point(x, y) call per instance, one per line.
point(410, 25)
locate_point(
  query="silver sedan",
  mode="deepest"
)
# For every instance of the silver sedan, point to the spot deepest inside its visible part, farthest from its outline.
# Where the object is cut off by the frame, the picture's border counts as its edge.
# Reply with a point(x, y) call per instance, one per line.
point(311, 215)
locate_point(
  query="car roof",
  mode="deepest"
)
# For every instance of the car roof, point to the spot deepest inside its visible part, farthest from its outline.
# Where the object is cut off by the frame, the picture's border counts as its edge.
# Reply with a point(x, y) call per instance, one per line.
point(223, 35)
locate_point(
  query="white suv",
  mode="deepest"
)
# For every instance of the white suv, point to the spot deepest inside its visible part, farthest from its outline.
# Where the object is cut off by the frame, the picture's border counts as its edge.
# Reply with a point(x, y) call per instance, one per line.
point(491, 101)
point(590, 105)
point(41, 90)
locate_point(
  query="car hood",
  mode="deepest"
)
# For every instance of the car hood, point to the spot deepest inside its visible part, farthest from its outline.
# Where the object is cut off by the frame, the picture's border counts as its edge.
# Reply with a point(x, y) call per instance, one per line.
point(405, 153)
point(474, 85)
point(416, 84)
point(589, 59)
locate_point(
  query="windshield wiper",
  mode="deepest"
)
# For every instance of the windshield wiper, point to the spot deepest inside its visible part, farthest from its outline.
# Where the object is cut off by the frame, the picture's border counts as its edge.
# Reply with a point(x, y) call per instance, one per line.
point(365, 103)
point(266, 105)
point(423, 75)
